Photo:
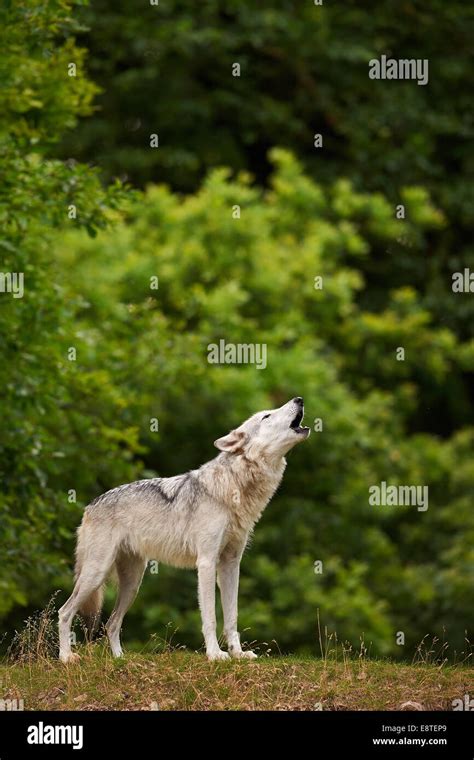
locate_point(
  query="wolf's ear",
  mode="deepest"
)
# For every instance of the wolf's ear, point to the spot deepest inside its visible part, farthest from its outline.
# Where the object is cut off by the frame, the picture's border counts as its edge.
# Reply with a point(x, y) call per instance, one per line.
point(233, 442)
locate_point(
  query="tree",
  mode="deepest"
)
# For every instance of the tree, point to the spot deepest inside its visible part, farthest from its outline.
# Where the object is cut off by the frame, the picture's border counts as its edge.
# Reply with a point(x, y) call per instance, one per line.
point(178, 275)
point(59, 427)
point(169, 69)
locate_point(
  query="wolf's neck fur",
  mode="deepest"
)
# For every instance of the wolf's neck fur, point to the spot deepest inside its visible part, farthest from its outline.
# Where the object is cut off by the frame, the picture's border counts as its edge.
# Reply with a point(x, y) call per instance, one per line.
point(244, 486)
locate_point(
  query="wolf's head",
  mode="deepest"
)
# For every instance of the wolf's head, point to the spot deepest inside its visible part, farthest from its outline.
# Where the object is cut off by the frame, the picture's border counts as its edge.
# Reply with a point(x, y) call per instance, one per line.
point(268, 434)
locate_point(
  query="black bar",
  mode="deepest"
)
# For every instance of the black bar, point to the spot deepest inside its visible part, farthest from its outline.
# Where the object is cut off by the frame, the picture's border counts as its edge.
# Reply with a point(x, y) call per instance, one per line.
point(446, 734)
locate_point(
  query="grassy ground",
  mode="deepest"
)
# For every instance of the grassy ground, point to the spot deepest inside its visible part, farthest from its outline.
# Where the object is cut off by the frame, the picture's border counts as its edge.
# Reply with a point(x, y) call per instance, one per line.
point(179, 680)
point(167, 677)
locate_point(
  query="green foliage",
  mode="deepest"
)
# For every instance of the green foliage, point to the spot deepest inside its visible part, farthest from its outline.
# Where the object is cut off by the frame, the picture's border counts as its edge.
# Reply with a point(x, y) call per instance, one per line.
point(59, 419)
point(167, 69)
point(84, 424)
point(251, 280)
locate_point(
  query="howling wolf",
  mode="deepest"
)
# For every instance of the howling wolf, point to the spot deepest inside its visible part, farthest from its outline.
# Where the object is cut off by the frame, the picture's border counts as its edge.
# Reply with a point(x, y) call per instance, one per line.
point(201, 519)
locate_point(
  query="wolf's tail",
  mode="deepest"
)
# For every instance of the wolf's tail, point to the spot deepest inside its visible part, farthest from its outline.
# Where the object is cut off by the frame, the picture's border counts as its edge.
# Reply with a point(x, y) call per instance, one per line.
point(91, 607)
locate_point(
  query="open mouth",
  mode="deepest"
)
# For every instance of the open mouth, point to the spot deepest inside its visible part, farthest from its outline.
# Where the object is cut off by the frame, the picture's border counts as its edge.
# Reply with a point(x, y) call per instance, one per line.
point(295, 424)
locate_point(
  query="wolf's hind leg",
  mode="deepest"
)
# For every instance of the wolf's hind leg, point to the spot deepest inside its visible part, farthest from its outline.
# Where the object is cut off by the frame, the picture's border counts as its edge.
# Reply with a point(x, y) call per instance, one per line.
point(92, 576)
point(130, 569)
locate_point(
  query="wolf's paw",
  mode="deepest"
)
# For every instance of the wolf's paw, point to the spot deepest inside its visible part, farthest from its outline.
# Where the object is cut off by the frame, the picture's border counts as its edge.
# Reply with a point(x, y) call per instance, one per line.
point(219, 655)
point(69, 659)
point(247, 655)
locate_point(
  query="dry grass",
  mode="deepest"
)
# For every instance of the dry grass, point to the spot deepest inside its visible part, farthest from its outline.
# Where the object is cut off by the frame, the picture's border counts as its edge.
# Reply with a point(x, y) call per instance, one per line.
point(170, 678)
point(178, 680)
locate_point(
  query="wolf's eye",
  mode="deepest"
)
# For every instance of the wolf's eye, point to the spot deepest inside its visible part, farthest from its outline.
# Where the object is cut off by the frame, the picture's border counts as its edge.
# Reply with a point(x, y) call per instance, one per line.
point(265, 416)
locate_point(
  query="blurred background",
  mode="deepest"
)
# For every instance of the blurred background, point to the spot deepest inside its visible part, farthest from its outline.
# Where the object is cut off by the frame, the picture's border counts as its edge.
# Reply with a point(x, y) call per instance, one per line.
point(90, 212)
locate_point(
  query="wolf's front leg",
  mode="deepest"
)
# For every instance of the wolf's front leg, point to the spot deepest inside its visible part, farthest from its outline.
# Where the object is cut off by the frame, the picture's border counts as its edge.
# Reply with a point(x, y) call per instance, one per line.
point(207, 602)
point(228, 571)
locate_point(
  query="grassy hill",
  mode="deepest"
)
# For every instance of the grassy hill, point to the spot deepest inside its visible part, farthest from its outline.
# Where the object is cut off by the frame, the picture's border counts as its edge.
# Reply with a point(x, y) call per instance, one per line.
point(180, 680)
